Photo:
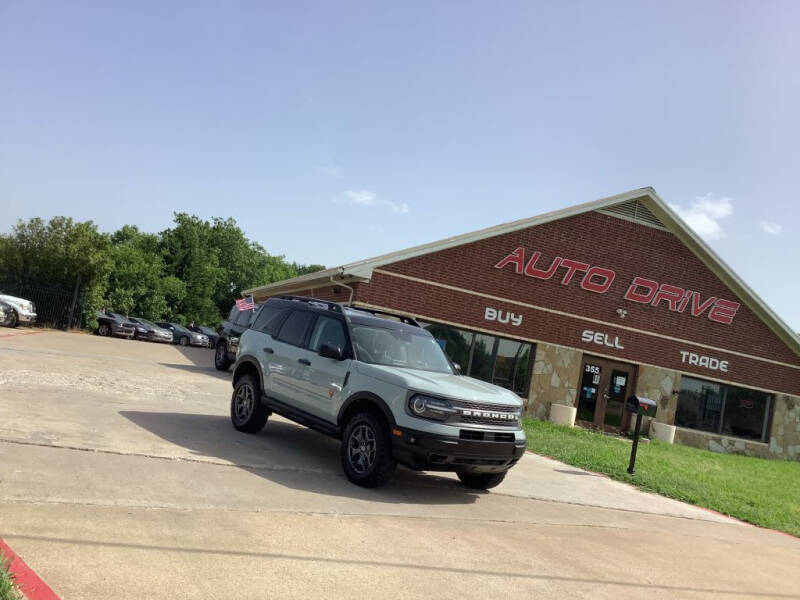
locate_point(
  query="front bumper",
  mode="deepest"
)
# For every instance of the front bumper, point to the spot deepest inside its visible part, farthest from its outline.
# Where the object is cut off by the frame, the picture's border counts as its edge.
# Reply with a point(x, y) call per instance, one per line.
point(153, 337)
point(26, 317)
point(123, 333)
point(431, 452)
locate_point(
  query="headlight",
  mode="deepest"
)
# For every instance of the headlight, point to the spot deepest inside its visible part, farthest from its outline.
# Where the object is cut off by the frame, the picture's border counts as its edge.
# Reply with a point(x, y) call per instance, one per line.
point(427, 407)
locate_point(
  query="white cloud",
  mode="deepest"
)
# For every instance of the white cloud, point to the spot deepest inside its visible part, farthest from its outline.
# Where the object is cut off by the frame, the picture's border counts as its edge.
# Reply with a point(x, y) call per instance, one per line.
point(369, 198)
point(771, 228)
point(705, 214)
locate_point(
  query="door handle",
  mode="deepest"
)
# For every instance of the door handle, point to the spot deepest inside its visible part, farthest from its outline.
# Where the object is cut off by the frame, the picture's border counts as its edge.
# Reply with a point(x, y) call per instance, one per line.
point(269, 350)
point(304, 361)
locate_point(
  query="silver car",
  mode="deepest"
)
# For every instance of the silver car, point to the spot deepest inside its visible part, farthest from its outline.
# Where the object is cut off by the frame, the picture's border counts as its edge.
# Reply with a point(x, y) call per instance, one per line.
point(380, 383)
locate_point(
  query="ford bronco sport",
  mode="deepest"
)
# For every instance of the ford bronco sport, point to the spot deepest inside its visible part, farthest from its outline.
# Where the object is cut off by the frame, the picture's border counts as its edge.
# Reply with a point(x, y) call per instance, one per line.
point(381, 384)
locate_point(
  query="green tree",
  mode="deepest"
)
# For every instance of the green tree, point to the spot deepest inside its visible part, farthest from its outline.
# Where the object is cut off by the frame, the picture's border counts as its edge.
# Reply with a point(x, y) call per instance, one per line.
point(306, 269)
point(190, 256)
point(59, 251)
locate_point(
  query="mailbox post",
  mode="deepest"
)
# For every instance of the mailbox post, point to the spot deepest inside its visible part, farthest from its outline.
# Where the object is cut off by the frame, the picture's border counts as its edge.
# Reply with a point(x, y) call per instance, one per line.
point(639, 407)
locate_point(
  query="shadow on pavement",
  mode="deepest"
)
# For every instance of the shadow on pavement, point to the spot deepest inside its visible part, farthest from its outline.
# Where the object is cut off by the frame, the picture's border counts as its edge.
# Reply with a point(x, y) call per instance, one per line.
point(201, 357)
point(294, 457)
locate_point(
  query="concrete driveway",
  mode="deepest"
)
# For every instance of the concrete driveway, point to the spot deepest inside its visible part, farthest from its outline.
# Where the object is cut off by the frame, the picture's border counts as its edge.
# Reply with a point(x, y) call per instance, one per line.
point(121, 477)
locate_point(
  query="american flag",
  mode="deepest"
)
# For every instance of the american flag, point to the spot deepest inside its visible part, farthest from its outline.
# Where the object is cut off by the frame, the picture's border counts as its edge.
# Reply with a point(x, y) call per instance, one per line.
point(246, 303)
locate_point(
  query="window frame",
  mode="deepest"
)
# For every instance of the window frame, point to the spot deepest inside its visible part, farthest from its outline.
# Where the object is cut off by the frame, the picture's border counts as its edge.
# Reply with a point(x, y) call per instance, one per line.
point(276, 322)
point(304, 341)
point(346, 351)
point(769, 410)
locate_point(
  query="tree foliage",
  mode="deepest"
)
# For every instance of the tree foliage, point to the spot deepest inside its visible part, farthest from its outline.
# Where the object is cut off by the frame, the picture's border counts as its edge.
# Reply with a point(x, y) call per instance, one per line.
point(192, 271)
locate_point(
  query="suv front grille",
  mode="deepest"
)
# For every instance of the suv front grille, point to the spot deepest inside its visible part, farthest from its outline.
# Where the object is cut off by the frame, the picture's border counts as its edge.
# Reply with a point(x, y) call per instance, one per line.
point(476, 413)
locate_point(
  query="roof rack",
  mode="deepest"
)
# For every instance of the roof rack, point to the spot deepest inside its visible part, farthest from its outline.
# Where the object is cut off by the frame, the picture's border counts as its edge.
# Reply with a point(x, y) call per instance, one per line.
point(334, 306)
point(401, 318)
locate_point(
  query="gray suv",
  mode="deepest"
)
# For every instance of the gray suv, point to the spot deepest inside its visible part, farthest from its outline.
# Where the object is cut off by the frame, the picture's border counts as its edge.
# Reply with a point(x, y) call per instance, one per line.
point(381, 384)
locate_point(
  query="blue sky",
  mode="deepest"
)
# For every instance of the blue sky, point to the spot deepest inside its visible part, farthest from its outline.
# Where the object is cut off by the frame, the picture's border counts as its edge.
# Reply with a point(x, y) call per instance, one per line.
point(337, 131)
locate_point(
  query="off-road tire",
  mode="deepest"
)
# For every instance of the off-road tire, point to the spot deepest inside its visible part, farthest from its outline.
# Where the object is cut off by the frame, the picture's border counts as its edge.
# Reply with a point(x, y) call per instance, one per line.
point(374, 467)
point(247, 413)
point(221, 361)
point(481, 481)
point(104, 330)
point(183, 341)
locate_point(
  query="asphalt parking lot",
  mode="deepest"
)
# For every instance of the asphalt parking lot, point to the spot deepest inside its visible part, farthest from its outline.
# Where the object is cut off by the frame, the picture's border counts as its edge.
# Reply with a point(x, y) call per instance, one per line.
point(121, 477)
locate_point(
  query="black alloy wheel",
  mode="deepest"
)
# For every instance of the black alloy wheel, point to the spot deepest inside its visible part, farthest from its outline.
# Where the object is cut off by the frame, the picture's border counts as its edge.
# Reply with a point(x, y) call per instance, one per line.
point(221, 361)
point(366, 450)
point(104, 329)
point(247, 413)
point(362, 448)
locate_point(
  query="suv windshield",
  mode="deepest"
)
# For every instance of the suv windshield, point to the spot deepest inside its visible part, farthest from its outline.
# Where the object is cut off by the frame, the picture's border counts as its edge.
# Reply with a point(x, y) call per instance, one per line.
point(407, 348)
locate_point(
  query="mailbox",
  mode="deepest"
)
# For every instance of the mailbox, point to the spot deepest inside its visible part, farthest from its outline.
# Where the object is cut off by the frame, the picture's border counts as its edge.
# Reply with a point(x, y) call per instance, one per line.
point(641, 406)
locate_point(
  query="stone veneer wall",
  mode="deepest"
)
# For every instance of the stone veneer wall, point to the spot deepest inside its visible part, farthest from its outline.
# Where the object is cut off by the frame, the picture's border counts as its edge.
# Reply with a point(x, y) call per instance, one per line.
point(556, 372)
point(658, 385)
point(784, 436)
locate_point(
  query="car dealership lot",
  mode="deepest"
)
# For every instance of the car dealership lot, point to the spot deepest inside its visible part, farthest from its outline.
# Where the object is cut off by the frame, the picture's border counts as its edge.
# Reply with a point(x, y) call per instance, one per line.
point(121, 476)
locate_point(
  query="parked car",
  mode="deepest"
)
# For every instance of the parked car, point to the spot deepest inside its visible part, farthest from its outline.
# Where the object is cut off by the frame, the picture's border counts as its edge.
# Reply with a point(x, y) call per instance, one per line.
point(382, 385)
point(228, 336)
point(146, 330)
point(213, 337)
point(113, 324)
point(22, 310)
point(184, 337)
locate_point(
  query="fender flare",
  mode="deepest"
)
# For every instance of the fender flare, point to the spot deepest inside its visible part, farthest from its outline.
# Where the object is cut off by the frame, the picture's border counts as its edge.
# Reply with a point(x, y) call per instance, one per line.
point(374, 398)
point(249, 360)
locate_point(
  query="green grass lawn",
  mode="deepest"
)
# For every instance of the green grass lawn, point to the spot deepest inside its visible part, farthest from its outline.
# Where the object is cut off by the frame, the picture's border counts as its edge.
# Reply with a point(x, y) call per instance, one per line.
point(762, 492)
point(8, 591)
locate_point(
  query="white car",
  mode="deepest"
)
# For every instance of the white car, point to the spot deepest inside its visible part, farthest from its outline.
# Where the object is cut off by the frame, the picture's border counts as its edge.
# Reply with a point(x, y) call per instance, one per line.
point(22, 310)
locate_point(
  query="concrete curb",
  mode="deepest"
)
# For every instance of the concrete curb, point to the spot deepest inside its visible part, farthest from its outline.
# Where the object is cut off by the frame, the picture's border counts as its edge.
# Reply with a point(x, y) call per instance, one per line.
point(29, 583)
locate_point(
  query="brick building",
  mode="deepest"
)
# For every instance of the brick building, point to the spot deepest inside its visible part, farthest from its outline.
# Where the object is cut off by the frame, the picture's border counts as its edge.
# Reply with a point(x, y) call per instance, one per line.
point(585, 306)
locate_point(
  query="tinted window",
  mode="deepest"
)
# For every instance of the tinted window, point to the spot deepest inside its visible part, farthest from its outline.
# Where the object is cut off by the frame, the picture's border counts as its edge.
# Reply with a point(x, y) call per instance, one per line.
point(245, 317)
point(294, 328)
point(497, 360)
point(723, 409)
point(327, 331)
point(455, 342)
point(268, 318)
point(233, 313)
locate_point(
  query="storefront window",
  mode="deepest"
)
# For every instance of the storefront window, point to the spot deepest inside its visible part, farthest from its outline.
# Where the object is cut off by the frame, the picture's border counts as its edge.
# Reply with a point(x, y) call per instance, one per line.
point(723, 409)
point(497, 360)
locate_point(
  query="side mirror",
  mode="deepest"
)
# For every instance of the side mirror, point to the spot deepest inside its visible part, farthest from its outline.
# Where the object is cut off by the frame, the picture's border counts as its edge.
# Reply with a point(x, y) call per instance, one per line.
point(457, 367)
point(334, 352)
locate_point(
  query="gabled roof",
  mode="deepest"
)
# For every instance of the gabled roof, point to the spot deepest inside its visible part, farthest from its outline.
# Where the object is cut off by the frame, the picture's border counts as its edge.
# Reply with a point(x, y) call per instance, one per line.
point(657, 214)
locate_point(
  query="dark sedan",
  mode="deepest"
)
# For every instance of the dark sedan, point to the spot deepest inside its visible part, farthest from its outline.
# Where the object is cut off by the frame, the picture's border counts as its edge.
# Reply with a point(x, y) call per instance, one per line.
point(184, 337)
point(110, 323)
point(146, 330)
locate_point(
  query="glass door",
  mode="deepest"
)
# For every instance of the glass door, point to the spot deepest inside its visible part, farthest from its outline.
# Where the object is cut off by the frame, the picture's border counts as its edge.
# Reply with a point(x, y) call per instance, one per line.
point(589, 391)
point(615, 398)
